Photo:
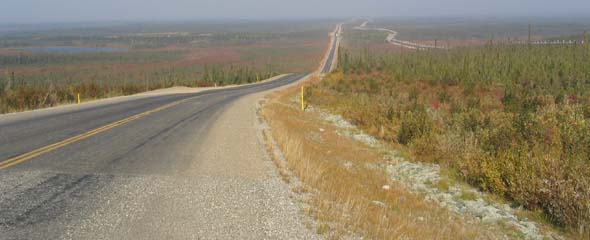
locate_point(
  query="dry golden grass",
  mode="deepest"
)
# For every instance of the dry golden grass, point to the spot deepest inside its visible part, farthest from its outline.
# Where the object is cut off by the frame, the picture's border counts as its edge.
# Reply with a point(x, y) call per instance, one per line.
point(283, 172)
point(346, 182)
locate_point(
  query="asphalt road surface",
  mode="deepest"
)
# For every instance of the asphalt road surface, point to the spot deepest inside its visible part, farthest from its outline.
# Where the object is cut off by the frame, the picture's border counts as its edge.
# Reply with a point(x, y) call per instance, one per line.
point(332, 54)
point(328, 66)
point(180, 166)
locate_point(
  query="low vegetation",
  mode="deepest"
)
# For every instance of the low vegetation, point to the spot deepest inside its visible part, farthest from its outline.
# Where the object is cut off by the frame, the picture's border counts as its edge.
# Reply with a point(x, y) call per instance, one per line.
point(151, 56)
point(22, 92)
point(512, 120)
point(347, 192)
point(24, 59)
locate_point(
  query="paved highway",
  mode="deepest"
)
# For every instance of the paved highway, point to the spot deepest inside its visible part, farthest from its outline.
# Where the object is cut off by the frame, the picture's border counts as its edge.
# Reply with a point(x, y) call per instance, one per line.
point(332, 54)
point(31, 131)
point(165, 165)
point(153, 167)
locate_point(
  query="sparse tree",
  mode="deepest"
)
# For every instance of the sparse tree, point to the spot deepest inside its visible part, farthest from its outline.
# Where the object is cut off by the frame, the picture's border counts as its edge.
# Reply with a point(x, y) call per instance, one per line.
point(530, 34)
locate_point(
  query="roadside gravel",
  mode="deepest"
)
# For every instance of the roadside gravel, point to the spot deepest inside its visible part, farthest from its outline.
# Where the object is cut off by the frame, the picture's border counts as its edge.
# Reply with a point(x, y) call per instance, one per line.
point(231, 191)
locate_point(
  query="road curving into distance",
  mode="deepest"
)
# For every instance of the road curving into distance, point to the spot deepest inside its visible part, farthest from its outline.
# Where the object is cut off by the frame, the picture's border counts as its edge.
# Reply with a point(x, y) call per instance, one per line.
point(189, 165)
point(22, 135)
point(391, 38)
point(157, 148)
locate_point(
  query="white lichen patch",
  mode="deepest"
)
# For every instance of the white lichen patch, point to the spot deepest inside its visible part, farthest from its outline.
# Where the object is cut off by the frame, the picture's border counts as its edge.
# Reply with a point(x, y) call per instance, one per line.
point(424, 179)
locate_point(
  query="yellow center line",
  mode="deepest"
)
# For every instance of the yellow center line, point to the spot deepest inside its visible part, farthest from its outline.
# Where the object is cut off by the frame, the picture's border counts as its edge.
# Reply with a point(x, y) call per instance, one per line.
point(40, 151)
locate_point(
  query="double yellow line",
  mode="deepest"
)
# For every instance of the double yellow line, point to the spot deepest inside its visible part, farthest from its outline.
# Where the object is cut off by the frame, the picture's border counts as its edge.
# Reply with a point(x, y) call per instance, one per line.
point(35, 153)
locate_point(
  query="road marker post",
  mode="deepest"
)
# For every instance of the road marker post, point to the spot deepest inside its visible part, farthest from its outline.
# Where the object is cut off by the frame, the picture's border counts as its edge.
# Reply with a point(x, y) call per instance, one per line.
point(302, 99)
point(78, 98)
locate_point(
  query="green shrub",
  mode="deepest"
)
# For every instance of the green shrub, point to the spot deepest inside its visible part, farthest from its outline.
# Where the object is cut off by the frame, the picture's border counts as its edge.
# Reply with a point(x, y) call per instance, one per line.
point(413, 125)
point(514, 120)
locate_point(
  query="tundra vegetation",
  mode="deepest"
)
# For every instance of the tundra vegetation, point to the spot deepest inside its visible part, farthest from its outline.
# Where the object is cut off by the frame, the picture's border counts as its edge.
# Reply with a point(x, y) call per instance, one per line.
point(344, 189)
point(151, 56)
point(513, 120)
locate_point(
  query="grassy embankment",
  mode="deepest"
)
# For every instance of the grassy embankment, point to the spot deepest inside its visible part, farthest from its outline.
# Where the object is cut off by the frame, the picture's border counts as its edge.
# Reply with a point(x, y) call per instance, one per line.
point(154, 60)
point(511, 120)
point(346, 187)
point(345, 184)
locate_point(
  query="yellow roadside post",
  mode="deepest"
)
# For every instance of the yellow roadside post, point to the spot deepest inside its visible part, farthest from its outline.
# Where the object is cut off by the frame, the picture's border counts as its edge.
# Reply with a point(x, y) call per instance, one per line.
point(78, 98)
point(302, 100)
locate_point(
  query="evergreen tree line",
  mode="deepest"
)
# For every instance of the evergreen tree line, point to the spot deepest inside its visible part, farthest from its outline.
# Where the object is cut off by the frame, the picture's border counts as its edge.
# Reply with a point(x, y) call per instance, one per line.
point(25, 91)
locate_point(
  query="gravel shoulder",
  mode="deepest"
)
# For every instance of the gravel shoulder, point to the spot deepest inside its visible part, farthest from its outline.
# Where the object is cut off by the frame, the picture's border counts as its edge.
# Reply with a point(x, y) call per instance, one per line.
point(231, 190)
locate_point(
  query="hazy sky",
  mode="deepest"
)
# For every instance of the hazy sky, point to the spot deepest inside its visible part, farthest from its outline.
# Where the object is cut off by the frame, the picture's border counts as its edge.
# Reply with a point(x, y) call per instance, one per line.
point(17, 11)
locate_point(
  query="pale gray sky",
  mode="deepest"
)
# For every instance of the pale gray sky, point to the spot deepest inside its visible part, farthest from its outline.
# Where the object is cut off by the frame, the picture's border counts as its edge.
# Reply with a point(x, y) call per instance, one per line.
point(18, 11)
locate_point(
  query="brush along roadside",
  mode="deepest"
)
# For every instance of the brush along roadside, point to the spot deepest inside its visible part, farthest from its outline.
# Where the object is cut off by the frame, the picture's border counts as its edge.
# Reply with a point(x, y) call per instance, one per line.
point(345, 184)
